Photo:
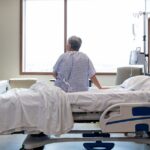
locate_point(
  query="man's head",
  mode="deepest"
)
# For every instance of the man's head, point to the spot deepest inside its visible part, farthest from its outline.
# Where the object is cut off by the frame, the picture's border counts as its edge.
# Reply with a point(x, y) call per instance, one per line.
point(74, 43)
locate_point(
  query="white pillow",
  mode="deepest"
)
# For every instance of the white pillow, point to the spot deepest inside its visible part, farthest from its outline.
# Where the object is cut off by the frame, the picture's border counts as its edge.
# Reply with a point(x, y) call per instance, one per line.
point(140, 82)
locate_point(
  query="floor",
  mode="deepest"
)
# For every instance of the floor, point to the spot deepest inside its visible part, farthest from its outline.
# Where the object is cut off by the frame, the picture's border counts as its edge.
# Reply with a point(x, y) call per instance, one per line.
point(14, 142)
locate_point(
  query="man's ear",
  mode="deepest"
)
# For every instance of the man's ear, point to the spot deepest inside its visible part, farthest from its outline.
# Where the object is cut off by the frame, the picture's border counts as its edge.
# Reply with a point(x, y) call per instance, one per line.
point(68, 47)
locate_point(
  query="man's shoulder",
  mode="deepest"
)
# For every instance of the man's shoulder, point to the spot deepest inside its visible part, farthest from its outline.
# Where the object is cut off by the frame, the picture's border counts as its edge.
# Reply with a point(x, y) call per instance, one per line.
point(83, 54)
point(64, 54)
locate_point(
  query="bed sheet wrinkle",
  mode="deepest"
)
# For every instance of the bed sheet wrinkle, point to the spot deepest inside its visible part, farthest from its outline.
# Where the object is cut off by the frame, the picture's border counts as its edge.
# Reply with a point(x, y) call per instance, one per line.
point(9, 108)
point(39, 107)
point(56, 102)
point(99, 100)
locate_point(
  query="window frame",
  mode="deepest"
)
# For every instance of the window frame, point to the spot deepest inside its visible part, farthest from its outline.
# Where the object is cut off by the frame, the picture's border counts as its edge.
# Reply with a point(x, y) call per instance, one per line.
point(21, 37)
point(65, 41)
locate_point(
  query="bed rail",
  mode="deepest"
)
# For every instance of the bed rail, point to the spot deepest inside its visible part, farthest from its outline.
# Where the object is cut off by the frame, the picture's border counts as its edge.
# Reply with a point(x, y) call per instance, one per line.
point(129, 117)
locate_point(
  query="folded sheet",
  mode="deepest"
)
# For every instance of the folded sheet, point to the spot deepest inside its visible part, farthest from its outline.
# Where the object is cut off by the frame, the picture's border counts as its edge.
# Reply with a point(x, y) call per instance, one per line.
point(42, 108)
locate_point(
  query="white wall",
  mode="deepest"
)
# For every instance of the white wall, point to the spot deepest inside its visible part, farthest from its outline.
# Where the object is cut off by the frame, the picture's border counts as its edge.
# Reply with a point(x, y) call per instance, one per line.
point(10, 40)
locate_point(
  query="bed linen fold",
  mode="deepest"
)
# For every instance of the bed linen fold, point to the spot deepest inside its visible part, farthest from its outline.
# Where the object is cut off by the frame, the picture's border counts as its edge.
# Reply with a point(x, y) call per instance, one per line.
point(42, 108)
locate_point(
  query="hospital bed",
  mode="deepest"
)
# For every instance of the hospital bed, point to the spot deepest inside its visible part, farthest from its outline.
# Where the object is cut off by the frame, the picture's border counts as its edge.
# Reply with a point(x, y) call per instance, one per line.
point(119, 110)
point(128, 118)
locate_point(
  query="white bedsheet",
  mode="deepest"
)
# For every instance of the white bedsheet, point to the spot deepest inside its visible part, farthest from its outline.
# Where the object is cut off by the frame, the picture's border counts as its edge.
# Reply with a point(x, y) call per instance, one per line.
point(99, 100)
point(40, 108)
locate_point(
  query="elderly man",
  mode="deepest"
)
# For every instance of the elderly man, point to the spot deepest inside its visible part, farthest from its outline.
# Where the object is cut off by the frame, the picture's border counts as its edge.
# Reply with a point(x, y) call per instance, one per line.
point(73, 69)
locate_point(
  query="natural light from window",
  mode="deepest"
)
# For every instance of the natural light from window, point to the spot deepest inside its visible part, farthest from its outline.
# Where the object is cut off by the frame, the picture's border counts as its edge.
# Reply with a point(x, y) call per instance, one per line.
point(43, 34)
point(105, 26)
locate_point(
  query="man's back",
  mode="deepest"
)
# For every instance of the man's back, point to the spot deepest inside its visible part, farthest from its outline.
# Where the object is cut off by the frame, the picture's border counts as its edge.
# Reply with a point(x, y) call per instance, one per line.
point(78, 80)
point(73, 71)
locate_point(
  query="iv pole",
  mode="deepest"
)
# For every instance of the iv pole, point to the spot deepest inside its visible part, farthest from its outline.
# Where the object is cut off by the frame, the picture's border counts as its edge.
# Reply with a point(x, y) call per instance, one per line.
point(144, 28)
point(145, 13)
point(142, 56)
point(145, 53)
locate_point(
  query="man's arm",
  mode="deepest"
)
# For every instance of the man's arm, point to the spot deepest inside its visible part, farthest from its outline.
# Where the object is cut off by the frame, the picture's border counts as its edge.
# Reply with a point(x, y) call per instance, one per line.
point(54, 74)
point(55, 68)
point(96, 82)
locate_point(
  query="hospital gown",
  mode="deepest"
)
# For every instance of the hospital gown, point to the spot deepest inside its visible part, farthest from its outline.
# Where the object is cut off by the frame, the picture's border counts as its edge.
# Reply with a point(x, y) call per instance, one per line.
point(74, 69)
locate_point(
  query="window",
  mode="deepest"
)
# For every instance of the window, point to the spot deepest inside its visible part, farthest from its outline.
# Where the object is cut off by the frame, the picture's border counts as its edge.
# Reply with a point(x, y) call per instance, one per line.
point(43, 34)
point(105, 27)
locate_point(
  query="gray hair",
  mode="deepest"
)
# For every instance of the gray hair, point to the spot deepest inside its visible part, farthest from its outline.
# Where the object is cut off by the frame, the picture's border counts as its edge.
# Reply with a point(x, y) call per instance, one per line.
point(75, 42)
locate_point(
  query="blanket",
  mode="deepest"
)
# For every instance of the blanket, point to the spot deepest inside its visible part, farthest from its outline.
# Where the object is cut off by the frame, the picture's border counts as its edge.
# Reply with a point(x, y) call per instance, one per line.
point(41, 108)
point(100, 100)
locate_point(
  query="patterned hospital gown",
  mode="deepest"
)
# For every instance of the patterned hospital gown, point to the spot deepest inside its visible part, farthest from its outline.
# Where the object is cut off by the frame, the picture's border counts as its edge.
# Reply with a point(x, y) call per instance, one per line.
point(74, 69)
